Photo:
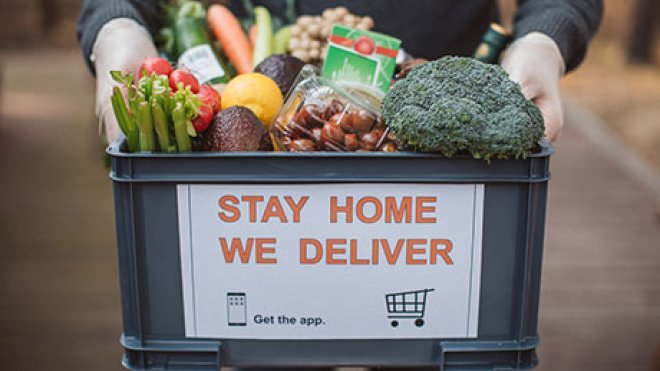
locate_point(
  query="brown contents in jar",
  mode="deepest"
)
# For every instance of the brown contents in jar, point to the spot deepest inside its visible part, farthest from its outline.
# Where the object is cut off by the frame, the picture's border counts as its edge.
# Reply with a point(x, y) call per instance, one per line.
point(332, 133)
point(388, 147)
point(301, 145)
point(333, 127)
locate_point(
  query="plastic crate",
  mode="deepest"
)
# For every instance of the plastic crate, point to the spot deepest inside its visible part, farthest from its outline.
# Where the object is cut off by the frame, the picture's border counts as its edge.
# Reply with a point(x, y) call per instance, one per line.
point(150, 269)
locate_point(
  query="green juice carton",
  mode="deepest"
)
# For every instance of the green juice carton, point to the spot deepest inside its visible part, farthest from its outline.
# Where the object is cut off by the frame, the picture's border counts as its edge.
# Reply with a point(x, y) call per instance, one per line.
point(361, 57)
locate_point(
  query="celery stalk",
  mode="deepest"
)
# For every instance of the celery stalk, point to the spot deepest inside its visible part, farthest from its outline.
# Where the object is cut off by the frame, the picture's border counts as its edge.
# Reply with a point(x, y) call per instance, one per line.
point(264, 45)
point(125, 121)
point(160, 124)
point(118, 106)
point(146, 127)
point(180, 128)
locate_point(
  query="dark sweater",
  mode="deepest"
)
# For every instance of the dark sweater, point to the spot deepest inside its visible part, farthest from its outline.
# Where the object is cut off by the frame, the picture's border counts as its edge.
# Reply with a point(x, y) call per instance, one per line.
point(428, 28)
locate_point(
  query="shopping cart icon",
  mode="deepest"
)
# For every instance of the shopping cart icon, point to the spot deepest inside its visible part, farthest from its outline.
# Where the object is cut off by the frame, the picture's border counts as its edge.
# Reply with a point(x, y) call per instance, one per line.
point(407, 305)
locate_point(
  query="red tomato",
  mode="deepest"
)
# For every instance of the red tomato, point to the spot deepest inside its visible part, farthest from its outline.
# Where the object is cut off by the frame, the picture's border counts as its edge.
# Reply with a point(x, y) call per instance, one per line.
point(209, 96)
point(203, 119)
point(186, 78)
point(159, 66)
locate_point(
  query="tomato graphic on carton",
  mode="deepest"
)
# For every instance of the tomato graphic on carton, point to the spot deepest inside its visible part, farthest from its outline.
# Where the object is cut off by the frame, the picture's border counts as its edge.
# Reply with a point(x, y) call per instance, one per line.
point(365, 45)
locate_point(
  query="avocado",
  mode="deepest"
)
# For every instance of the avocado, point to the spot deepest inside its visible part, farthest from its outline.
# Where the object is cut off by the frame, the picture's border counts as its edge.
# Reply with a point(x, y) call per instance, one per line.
point(237, 129)
point(282, 68)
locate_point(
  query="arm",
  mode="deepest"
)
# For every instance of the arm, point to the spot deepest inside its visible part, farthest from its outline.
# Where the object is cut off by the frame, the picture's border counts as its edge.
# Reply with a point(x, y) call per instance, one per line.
point(551, 38)
point(97, 13)
point(115, 35)
point(569, 23)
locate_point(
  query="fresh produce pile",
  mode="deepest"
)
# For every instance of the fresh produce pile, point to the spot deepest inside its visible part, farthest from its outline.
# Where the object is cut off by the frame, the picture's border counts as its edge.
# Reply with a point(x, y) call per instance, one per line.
point(253, 85)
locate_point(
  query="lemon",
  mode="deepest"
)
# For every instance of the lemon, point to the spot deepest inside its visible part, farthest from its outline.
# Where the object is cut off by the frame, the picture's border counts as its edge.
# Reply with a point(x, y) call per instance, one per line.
point(255, 91)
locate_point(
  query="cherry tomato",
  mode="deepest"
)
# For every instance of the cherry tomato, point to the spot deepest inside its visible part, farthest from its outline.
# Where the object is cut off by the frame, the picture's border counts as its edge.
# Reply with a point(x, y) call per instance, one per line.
point(203, 119)
point(209, 96)
point(159, 66)
point(184, 77)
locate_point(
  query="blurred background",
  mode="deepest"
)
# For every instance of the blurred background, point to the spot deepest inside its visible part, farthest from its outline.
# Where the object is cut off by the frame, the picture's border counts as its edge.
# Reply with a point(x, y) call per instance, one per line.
point(59, 301)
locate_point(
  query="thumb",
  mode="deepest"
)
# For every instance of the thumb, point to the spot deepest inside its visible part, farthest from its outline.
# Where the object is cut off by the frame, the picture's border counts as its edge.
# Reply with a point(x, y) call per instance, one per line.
point(553, 115)
point(521, 75)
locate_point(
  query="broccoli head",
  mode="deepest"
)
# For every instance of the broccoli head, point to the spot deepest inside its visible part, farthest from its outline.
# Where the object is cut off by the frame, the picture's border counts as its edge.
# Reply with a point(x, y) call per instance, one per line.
point(457, 104)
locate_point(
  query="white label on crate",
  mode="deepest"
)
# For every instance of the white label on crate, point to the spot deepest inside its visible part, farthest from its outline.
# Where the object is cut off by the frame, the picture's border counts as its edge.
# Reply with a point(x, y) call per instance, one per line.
point(201, 61)
point(331, 261)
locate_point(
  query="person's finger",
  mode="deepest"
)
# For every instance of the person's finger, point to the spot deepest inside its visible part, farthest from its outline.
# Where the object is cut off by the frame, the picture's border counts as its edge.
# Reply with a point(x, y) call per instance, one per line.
point(553, 116)
point(530, 89)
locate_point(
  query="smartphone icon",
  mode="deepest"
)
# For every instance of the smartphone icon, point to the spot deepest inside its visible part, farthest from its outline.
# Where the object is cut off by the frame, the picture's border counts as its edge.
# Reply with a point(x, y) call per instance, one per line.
point(236, 309)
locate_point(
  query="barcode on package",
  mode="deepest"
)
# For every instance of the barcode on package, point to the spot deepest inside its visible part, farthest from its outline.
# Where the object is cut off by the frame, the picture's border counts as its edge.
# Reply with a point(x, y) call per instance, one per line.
point(202, 63)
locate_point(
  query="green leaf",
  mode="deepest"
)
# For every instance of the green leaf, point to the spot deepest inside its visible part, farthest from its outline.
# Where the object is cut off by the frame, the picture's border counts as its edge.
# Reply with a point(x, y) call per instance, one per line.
point(191, 129)
point(122, 78)
point(160, 86)
point(145, 86)
point(188, 101)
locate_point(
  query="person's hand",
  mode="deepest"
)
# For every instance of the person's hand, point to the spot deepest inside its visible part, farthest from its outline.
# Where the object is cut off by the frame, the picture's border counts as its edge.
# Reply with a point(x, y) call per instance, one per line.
point(122, 44)
point(535, 62)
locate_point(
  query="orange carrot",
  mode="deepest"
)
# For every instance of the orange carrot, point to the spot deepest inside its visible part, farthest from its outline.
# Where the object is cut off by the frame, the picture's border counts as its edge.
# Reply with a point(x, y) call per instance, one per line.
point(235, 44)
point(254, 32)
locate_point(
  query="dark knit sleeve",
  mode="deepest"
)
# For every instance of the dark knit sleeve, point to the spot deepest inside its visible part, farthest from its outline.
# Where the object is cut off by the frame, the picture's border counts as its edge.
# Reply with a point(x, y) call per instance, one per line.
point(96, 13)
point(570, 23)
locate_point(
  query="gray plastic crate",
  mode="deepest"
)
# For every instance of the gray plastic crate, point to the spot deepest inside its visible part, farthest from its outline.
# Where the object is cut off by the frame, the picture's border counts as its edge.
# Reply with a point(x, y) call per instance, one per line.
point(150, 270)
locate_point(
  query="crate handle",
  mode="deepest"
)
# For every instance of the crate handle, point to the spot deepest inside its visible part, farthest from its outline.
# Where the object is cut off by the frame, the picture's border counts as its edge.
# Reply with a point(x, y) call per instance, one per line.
point(219, 355)
point(441, 357)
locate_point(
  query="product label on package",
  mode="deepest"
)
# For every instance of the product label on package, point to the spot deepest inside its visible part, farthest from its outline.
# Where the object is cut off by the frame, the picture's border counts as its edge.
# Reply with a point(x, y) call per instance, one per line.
point(331, 261)
point(200, 60)
point(361, 56)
